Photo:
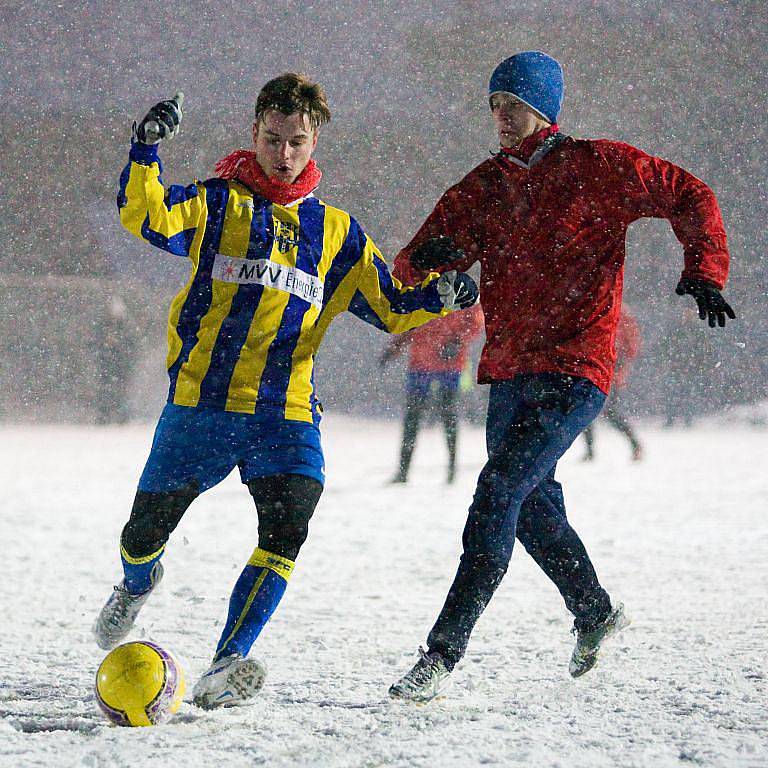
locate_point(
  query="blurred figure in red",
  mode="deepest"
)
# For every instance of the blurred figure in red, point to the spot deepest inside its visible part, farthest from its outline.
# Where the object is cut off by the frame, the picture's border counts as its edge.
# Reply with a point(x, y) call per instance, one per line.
point(628, 345)
point(437, 356)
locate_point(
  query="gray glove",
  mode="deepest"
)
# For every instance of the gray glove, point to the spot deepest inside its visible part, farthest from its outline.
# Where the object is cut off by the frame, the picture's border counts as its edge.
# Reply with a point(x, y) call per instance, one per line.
point(457, 290)
point(161, 122)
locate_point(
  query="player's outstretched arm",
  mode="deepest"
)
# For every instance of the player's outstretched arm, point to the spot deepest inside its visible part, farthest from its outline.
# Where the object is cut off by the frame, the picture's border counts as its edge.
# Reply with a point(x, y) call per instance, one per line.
point(166, 218)
point(384, 302)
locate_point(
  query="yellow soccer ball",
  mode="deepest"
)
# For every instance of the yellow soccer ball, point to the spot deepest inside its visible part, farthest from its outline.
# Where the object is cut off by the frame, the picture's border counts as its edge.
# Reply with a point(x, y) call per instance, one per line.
point(139, 684)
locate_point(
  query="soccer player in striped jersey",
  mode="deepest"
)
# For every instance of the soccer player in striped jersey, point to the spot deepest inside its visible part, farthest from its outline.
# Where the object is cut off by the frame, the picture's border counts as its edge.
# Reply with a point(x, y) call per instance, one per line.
point(271, 266)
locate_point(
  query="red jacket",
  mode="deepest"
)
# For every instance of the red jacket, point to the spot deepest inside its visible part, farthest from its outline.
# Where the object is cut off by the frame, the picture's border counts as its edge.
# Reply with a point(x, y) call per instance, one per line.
point(442, 345)
point(627, 347)
point(550, 240)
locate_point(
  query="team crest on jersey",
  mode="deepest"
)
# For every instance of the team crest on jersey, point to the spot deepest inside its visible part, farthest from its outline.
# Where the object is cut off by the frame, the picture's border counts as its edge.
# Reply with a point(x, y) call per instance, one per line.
point(286, 235)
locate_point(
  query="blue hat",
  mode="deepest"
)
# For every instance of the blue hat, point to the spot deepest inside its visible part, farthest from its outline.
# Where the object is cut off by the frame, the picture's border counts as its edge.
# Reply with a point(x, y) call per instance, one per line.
point(534, 78)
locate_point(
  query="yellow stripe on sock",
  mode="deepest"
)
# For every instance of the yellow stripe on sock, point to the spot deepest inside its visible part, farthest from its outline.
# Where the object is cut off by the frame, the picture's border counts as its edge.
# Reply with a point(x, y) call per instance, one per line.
point(140, 560)
point(246, 607)
point(282, 566)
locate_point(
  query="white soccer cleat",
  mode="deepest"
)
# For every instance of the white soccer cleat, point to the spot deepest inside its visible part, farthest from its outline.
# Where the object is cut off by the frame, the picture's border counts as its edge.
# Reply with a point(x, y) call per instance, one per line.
point(229, 682)
point(119, 613)
point(428, 677)
point(588, 644)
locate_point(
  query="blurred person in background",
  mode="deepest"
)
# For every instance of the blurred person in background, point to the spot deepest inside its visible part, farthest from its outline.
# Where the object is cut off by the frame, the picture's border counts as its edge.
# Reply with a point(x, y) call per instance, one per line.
point(115, 357)
point(627, 348)
point(546, 216)
point(271, 266)
point(689, 359)
point(437, 355)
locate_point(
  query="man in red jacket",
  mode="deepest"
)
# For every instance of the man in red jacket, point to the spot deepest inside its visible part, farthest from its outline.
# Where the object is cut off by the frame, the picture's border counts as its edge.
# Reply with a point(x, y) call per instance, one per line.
point(546, 217)
point(627, 347)
point(437, 356)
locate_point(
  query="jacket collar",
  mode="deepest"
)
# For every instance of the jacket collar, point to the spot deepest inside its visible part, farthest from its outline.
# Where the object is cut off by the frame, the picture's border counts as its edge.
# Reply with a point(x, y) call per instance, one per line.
point(533, 148)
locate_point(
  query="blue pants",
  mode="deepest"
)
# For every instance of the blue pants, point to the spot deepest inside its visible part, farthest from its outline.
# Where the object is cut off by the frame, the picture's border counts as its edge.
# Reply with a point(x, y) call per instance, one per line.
point(422, 382)
point(201, 446)
point(532, 420)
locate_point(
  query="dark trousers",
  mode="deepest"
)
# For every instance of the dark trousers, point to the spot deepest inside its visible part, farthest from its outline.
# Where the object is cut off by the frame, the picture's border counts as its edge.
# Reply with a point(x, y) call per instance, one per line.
point(532, 420)
point(416, 404)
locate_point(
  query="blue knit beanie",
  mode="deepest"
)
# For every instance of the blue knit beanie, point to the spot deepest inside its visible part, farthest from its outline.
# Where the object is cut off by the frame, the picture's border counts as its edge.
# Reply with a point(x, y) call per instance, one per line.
point(534, 78)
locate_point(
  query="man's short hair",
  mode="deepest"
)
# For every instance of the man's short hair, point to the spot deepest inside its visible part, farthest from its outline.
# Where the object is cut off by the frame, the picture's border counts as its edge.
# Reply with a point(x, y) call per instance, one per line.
point(292, 92)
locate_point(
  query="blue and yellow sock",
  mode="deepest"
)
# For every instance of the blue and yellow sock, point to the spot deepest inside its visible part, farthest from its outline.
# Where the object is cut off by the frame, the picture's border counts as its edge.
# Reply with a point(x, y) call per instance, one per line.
point(138, 570)
point(258, 591)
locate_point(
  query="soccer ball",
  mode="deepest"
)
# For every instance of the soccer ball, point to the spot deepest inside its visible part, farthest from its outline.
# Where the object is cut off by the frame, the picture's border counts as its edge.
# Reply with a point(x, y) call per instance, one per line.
point(139, 684)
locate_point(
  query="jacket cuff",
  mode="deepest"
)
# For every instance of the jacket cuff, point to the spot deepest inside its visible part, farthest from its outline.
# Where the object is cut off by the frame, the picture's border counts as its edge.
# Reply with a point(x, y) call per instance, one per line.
point(715, 282)
point(433, 302)
point(144, 154)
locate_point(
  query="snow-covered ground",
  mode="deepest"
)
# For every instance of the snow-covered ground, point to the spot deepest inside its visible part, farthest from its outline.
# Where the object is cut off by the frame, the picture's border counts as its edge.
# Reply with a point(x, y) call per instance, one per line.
point(681, 538)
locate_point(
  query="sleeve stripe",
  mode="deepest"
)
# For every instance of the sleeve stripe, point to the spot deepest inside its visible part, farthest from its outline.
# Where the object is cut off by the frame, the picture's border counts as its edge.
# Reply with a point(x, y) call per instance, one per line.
point(362, 309)
point(349, 254)
point(177, 194)
point(178, 243)
point(406, 300)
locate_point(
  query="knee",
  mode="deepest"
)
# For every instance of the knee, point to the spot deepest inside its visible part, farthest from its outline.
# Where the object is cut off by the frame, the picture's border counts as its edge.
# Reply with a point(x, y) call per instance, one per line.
point(489, 567)
point(285, 504)
point(538, 533)
point(285, 534)
point(489, 536)
point(154, 517)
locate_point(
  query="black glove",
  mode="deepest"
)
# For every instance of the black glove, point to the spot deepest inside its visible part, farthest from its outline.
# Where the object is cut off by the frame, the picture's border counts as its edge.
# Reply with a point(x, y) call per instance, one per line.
point(457, 290)
point(709, 299)
point(434, 253)
point(161, 122)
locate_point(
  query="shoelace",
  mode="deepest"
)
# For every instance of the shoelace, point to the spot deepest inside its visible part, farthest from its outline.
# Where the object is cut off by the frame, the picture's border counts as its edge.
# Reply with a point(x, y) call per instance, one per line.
point(120, 609)
point(424, 667)
point(223, 663)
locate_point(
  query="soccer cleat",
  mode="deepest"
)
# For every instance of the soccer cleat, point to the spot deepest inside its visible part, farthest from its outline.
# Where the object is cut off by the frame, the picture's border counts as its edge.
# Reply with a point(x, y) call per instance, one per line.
point(587, 648)
point(229, 682)
point(428, 677)
point(119, 613)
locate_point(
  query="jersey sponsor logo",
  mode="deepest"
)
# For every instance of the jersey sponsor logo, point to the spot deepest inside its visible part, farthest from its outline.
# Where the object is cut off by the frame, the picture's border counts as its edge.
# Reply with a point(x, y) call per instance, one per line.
point(232, 269)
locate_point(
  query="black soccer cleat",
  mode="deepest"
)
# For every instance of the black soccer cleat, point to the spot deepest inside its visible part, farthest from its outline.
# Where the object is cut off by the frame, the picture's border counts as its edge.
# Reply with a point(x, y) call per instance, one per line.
point(588, 644)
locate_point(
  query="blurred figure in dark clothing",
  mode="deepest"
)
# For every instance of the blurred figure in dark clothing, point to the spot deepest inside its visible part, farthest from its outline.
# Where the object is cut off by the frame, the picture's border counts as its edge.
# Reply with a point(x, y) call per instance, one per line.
point(438, 353)
point(115, 353)
point(627, 346)
point(687, 352)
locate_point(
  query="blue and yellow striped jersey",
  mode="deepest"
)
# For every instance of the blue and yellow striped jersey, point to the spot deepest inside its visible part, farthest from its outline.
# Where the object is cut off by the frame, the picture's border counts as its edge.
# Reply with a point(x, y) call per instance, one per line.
point(265, 283)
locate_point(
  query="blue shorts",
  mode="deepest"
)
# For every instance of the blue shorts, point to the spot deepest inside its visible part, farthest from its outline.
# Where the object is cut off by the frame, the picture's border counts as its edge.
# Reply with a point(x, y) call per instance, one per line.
point(422, 382)
point(203, 445)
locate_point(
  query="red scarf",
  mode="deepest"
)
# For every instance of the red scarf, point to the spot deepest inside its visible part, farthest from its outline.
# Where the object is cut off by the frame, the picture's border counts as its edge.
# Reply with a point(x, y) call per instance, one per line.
point(242, 166)
point(529, 144)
